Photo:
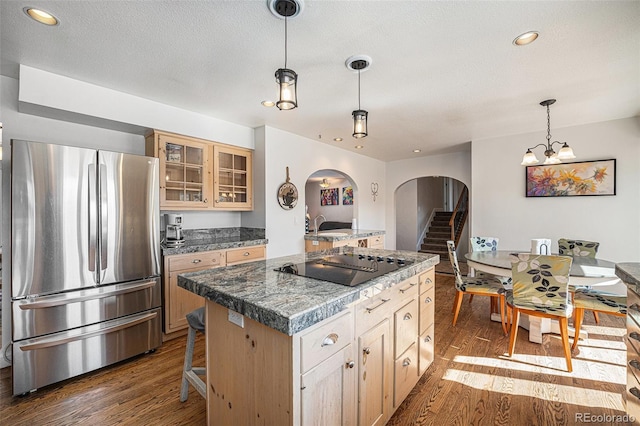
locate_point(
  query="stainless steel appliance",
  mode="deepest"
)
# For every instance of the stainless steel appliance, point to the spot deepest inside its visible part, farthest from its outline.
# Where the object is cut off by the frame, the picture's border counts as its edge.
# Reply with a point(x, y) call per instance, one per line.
point(345, 269)
point(85, 260)
point(173, 236)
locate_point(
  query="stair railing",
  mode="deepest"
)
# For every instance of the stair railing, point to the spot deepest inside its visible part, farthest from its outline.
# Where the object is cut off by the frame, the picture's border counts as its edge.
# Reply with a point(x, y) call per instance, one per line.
point(459, 216)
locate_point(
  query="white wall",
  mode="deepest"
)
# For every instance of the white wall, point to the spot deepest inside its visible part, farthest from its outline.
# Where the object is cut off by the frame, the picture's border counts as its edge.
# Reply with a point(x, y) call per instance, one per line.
point(456, 166)
point(499, 206)
point(285, 228)
point(407, 215)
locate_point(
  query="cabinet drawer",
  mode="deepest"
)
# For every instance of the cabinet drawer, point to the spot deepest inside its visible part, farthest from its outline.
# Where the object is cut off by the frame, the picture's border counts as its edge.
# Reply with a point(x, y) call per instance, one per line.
point(407, 289)
point(245, 254)
point(406, 374)
point(405, 322)
point(427, 280)
point(427, 308)
point(426, 349)
point(325, 341)
point(374, 310)
point(376, 241)
point(202, 260)
point(345, 243)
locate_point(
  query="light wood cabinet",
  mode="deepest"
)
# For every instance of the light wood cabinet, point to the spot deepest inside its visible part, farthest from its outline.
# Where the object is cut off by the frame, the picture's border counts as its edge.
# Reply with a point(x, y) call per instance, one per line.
point(375, 365)
point(376, 242)
point(196, 174)
point(426, 281)
point(178, 302)
point(232, 187)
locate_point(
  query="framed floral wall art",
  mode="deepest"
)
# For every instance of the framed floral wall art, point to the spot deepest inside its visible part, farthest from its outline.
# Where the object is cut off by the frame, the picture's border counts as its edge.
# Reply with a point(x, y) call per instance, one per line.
point(572, 179)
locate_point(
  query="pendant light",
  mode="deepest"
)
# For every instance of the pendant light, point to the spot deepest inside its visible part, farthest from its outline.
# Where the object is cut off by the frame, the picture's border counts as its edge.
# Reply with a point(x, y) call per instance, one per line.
point(286, 78)
point(360, 116)
point(565, 153)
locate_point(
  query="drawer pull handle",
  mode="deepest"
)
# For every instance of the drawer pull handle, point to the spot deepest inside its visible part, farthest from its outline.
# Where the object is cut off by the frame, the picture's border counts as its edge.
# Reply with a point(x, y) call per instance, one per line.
point(428, 300)
point(369, 310)
point(635, 364)
point(427, 339)
point(406, 362)
point(351, 364)
point(331, 339)
point(246, 253)
point(635, 392)
point(407, 316)
point(402, 290)
point(634, 335)
point(428, 281)
point(196, 261)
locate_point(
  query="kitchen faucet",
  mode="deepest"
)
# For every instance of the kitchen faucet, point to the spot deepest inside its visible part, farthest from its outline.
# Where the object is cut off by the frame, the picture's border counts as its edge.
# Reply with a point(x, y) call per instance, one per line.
point(315, 222)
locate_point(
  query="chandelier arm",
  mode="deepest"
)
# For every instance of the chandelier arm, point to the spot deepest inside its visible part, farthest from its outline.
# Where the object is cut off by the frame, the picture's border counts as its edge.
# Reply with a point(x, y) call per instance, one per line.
point(540, 144)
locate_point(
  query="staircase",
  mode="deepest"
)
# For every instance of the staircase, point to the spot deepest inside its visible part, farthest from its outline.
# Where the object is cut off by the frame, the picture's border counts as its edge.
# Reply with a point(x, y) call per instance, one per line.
point(435, 241)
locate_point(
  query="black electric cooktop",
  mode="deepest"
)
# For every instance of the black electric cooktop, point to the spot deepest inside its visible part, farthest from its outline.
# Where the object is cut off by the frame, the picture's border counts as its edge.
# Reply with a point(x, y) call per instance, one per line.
point(345, 269)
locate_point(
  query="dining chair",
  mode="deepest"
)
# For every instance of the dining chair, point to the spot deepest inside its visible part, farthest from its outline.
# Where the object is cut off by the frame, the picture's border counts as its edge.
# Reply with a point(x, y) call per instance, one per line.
point(541, 289)
point(474, 286)
point(596, 301)
point(579, 248)
point(487, 244)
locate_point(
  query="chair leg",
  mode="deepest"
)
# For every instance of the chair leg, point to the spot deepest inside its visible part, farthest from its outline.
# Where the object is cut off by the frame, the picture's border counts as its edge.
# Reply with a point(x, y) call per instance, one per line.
point(470, 298)
point(188, 360)
point(596, 317)
point(564, 333)
point(578, 316)
point(502, 319)
point(514, 329)
point(457, 302)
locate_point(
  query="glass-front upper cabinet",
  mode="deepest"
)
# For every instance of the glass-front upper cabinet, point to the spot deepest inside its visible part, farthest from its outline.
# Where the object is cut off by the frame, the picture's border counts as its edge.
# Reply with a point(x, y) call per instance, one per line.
point(232, 186)
point(185, 173)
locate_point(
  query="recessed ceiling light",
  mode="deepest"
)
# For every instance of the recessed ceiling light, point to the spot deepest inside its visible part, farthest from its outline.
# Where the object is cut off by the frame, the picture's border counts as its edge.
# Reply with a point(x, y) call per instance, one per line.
point(525, 38)
point(41, 16)
point(337, 139)
point(268, 103)
point(417, 150)
point(359, 146)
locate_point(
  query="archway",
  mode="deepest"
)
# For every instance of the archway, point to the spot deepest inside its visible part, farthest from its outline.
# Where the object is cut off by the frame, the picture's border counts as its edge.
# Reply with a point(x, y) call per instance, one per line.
point(332, 194)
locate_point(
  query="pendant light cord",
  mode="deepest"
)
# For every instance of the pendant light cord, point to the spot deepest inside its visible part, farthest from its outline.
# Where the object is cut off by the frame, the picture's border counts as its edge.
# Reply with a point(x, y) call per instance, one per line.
point(285, 41)
point(548, 127)
point(359, 90)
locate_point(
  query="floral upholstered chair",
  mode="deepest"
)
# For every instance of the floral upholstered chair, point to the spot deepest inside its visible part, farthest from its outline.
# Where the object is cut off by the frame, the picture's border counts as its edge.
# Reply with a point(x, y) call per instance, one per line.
point(596, 301)
point(474, 286)
point(488, 244)
point(578, 248)
point(541, 289)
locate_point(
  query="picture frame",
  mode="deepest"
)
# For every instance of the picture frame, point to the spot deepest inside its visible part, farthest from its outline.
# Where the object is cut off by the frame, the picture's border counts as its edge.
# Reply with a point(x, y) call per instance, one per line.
point(347, 196)
point(571, 179)
point(329, 197)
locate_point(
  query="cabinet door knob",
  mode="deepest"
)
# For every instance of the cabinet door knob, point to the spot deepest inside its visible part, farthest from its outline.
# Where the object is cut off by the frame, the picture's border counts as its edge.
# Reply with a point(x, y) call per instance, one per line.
point(366, 351)
point(246, 253)
point(406, 362)
point(351, 364)
point(331, 339)
point(407, 316)
point(206, 200)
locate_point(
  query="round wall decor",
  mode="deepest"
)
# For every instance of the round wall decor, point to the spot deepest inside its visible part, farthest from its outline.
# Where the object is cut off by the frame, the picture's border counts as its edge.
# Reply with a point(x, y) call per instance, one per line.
point(287, 194)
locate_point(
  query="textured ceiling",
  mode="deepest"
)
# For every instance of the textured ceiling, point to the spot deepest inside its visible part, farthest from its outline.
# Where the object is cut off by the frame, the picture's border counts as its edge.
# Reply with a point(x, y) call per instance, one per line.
point(442, 73)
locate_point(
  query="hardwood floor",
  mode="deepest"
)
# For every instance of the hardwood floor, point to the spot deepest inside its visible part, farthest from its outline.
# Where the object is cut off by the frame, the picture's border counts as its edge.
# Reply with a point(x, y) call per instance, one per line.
point(471, 381)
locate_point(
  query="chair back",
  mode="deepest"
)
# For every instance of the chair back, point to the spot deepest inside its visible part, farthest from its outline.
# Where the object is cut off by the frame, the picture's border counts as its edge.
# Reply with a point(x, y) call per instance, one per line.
point(578, 248)
point(540, 283)
point(453, 258)
point(484, 243)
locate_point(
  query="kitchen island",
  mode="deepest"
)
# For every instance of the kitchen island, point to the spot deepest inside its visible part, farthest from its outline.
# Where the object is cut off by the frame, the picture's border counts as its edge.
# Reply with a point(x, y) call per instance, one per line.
point(286, 349)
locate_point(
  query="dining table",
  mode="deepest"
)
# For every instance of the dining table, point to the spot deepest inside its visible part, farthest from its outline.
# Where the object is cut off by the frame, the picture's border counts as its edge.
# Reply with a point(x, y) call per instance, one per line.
point(585, 271)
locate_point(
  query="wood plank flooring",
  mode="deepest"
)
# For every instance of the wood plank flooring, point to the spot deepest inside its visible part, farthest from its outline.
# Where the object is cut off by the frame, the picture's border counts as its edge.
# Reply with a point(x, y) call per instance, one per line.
point(471, 381)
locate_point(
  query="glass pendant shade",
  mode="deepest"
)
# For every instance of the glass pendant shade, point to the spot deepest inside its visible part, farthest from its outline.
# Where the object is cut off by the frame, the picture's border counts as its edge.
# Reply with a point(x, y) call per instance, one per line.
point(566, 153)
point(287, 81)
point(552, 160)
point(529, 158)
point(360, 123)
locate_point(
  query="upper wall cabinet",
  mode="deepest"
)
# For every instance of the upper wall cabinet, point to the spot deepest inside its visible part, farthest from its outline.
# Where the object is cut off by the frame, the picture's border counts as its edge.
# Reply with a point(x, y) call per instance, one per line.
point(197, 174)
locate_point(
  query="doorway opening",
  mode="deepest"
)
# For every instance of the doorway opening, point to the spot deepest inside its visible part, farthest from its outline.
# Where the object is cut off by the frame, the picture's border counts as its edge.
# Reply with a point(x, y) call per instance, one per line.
point(331, 200)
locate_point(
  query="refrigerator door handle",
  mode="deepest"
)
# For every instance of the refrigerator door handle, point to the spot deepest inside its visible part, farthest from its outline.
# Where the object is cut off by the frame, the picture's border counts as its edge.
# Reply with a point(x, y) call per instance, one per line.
point(93, 241)
point(64, 300)
point(57, 341)
point(104, 218)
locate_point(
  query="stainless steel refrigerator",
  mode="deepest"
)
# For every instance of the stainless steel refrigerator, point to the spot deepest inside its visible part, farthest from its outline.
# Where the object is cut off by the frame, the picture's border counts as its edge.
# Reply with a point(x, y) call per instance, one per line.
point(85, 260)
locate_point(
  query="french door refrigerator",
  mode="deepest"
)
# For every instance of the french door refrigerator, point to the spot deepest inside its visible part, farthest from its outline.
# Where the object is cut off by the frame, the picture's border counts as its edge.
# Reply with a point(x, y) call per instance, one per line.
point(85, 260)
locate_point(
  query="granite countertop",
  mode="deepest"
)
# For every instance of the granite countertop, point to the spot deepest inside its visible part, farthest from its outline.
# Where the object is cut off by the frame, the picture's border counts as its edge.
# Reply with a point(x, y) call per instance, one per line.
point(342, 234)
point(629, 272)
point(197, 240)
point(290, 303)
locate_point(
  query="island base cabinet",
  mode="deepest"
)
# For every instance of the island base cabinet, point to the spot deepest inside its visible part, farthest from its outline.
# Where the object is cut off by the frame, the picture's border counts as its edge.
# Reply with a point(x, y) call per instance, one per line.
point(327, 392)
point(375, 362)
point(426, 349)
point(249, 372)
point(406, 374)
